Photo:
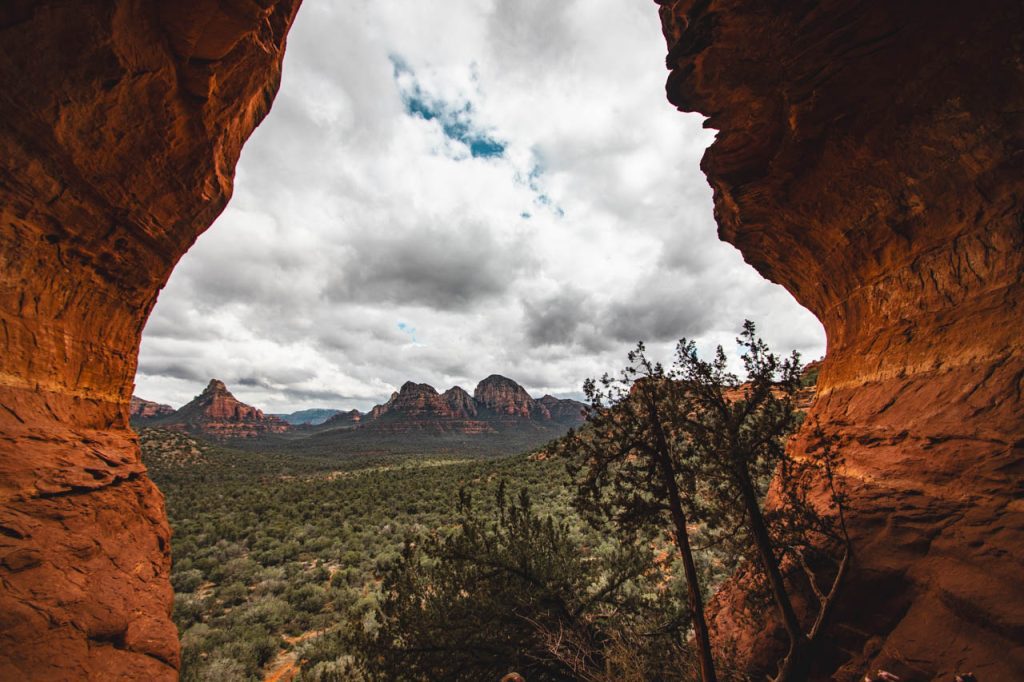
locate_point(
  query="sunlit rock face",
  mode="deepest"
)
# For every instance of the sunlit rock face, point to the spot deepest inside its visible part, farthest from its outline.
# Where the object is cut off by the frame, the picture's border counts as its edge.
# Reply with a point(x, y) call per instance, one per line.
point(871, 160)
point(120, 126)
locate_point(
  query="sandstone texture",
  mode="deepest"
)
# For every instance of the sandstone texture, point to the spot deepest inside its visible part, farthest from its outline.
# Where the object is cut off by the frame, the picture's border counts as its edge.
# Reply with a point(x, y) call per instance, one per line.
point(871, 160)
point(218, 414)
point(147, 409)
point(120, 125)
point(562, 410)
point(419, 407)
point(506, 398)
point(497, 404)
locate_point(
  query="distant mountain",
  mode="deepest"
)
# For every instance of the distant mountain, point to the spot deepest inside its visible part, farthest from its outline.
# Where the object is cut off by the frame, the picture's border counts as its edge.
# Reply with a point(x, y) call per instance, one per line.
point(215, 412)
point(139, 409)
point(498, 404)
point(419, 407)
point(564, 410)
point(344, 419)
point(314, 416)
point(508, 400)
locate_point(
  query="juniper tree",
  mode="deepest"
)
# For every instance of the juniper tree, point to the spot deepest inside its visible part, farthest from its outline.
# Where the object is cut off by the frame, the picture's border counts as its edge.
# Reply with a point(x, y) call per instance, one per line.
point(734, 431)
point(696, 444)
point(631, 470)
point(494, 596)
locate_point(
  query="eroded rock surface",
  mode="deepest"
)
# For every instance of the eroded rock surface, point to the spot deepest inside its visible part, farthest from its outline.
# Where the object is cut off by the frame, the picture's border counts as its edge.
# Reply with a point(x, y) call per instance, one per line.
point(497, 404)
point(120, 125)
point(218, 414)
point(139, 408)
point(871, 160)
point(506, 398)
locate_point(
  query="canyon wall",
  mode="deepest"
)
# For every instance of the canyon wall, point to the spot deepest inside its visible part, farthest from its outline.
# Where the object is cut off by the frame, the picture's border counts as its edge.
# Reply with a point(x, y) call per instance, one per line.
point(871, 160)
point(120, 125)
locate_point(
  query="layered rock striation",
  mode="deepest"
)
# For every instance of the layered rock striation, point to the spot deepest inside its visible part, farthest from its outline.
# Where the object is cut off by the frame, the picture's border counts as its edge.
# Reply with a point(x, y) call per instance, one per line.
point(871, 160)
point(504, 397)
point(218, 414)
point(497, 404)
point(120, 126)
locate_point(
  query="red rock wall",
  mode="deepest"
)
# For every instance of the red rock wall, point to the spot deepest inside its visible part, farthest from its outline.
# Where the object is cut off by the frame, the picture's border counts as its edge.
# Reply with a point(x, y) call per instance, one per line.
point(871, 160)
point(120, 125)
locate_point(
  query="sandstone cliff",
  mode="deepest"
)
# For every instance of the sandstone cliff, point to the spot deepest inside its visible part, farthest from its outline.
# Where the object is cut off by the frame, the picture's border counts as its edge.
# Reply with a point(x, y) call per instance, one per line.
point(505, 397)
point(419, 407)
point(497, 404)
point(147, 409)
point(120, 125)
point(218, 414)
point(871, 159)
point(563, 410)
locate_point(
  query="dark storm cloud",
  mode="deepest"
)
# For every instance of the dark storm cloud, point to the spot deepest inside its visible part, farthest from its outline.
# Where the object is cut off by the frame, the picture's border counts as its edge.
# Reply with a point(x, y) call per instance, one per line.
point(178, 319)
point(173, 370)
point(430, 266)
point(275, 377)
point(554, 320)
point(519, 193)
point(653, 316)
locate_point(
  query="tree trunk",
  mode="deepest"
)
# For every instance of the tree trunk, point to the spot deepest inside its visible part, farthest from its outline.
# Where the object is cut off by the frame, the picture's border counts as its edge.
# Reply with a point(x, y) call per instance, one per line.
point(700, 626)
point(793, 667)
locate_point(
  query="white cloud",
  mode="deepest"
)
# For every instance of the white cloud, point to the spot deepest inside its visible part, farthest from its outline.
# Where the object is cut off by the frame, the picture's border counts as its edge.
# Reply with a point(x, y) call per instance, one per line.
point(361, 203)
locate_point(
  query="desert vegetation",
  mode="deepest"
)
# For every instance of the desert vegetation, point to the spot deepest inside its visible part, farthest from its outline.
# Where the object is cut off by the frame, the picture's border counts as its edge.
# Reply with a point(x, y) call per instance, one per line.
point(592, 558)
point(271, 547)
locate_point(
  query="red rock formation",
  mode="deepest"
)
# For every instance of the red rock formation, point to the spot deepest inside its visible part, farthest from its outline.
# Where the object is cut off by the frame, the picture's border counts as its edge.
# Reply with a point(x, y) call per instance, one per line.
point(419, 407)
point(217, 413)
point(460, 402)
point(505, 397)
point(120, 126)
point(147, 409)
point(500, 404)
point(350, 418)
point(871, 160)
point(563, 410)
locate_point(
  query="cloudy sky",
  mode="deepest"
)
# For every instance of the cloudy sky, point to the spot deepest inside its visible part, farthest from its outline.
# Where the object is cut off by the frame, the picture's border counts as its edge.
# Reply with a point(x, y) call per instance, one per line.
point(446, 190)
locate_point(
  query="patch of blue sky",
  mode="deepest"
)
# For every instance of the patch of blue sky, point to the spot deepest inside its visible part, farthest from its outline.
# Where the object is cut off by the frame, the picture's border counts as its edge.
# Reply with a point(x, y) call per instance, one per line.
point(411, 331)
point(533, 181)
point(456, 120)
point(544, 200)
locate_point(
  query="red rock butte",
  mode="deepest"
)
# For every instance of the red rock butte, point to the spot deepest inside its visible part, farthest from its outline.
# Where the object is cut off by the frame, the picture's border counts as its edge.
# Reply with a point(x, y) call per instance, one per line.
point(870, 160)
point(217, 414)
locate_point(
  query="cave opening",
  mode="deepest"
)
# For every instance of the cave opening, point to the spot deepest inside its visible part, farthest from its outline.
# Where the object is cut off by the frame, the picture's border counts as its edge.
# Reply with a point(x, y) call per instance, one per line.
point(887, 204)
point(432, 213)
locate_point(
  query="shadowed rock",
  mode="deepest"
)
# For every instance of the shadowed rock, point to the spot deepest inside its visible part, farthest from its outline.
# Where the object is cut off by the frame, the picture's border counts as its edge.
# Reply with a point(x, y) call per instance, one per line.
point(870, 160)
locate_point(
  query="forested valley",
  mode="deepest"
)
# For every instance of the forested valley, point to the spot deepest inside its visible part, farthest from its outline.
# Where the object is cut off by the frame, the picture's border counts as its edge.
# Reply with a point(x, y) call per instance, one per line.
point(592, 557)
